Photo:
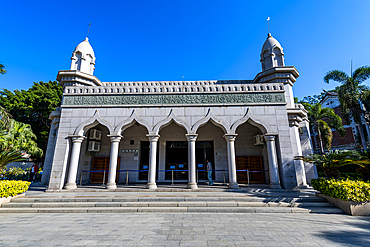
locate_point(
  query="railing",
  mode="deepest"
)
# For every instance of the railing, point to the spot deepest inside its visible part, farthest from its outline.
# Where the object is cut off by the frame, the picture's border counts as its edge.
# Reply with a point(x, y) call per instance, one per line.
point(172, 174)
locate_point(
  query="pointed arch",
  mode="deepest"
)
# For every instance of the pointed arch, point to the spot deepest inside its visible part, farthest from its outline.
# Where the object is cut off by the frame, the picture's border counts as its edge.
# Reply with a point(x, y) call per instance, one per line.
point(92, 122)
point(210, 117)
point(250, 118)
point(168, 120)
point(131, 121)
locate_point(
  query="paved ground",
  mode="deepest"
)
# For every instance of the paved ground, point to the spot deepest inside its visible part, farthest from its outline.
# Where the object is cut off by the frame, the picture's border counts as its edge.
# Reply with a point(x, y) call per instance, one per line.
point(183, 229)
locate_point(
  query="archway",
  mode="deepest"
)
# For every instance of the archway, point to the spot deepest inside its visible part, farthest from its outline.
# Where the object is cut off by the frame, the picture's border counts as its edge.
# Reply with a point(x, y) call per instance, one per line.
point(173, 153)
point(211, 145)
point(251, 155)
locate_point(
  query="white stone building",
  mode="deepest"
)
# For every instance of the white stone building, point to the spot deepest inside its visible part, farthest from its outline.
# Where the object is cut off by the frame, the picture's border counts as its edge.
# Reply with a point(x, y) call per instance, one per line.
point(150, 128)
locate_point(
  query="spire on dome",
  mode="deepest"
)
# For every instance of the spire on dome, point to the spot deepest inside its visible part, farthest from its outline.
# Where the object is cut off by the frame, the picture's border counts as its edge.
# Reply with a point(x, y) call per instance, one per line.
point(83, 58)
point(272, 54)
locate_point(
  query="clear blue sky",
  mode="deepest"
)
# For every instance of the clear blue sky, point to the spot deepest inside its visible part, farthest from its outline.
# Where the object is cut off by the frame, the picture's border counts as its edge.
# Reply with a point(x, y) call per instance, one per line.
point(165, 40)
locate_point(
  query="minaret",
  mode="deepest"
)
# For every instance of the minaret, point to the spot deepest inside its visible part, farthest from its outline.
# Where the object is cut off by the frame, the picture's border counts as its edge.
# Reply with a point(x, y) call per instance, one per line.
point(83, 58)
point(272, 54)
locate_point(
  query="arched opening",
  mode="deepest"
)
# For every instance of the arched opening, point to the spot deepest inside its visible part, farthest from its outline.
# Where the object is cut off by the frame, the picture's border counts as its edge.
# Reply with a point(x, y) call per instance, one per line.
point(94, 155)
point(173, 153)
point(251, 155)
point(211, 145)
point(134, 152)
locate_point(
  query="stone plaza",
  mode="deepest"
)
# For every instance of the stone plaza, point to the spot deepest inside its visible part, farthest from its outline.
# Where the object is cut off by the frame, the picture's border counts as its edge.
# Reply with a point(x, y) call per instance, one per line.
point(183, 229)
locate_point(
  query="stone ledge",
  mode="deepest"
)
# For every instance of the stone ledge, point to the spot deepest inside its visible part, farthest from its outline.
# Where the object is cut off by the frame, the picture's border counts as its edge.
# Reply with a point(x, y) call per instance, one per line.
point(8, 199)
point(349, 207)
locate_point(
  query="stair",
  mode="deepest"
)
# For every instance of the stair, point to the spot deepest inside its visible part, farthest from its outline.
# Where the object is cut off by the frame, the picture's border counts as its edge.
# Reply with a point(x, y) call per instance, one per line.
point(220, 202)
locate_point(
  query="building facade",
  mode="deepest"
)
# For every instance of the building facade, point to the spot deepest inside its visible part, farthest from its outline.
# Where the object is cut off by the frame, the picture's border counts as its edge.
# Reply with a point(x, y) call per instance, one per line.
point(156, 131)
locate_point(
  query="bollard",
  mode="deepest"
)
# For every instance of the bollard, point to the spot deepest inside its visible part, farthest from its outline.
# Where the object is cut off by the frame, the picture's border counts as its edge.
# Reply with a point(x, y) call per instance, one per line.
point(81, 178)
point(172, 177)
point(127, 177)
point(248, 176)
point(197, 175)
point(104, 178)
point(224, 178)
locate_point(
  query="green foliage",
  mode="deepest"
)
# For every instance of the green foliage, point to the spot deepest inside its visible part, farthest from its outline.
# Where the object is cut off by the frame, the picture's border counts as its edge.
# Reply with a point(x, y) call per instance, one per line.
point(34, 107)
point(12, 187)
point(2, 70)
point(15, 173)
point(362, 159)
point(330, 161)
point(323, 120)
point(20, 138)
point(351, 93)
point(346, 190)
point(8, 156)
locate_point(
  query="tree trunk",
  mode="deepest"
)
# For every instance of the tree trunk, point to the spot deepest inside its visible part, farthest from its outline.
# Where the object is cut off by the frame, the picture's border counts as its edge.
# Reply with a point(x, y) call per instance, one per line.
point(362, 136)
point(320, 139)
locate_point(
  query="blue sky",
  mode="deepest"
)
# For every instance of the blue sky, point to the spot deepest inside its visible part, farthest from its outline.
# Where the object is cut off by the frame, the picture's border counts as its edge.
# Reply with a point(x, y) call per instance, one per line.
point(166, 40)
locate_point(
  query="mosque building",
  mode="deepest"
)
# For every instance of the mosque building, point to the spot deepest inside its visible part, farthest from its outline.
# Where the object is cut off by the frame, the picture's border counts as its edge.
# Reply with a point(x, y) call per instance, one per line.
point(157, 131)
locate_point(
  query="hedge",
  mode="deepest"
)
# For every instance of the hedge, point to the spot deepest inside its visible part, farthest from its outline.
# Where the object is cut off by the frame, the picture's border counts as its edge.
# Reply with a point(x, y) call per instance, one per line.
point(13, 187)
point(344, 189)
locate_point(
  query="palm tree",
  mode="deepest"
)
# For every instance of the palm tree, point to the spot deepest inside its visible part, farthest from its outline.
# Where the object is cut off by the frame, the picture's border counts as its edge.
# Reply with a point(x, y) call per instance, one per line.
point(351, 95)
point(8, 156)
point(362, 159)
point(21, 138)
point(323, 120)
point(2, 70)
point(329, 162)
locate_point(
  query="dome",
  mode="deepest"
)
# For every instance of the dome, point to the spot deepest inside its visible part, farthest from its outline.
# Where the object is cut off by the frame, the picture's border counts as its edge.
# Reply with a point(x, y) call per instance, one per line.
point(85, 48)
point(270, 43)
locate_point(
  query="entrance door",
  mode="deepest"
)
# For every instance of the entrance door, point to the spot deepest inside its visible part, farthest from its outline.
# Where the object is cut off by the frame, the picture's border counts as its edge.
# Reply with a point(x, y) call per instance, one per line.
point(251, 163)
point(144, 160)
point(204, 151)
point(102, 163)
point(176, 159)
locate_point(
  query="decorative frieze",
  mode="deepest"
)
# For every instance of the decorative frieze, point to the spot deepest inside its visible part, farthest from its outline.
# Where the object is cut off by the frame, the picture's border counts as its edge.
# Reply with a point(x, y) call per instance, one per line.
point(166, 99)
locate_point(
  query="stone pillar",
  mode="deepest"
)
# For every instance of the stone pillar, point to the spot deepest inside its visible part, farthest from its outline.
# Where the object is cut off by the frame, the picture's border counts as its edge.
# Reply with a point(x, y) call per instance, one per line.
point(273, 165)
point(230, 139)
point(192, 184)
point(153, 139)
point(73, 164)
point(111, 185)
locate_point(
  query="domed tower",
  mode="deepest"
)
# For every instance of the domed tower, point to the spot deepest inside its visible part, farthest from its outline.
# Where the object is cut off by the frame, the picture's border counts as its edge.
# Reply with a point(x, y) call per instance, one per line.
point(83, 58)
point(272, 54)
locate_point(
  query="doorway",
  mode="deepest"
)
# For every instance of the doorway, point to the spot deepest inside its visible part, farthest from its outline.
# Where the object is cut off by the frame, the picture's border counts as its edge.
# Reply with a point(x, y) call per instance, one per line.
point(204, 151)
point(177, 160)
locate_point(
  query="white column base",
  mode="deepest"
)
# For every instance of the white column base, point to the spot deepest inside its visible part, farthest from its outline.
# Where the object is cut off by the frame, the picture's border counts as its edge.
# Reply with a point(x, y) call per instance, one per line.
point(111, 186)
point(151, 186)
point(192, 186)
point(70, 186)
point(275, 186)
point(233, 186)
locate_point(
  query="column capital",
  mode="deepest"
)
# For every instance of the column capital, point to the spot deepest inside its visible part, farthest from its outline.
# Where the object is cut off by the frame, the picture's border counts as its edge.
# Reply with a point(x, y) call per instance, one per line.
point(230, 137)
point(153, 138)
point(191, 137)
point(269, 138)
point(77, 139)
point(115, 138)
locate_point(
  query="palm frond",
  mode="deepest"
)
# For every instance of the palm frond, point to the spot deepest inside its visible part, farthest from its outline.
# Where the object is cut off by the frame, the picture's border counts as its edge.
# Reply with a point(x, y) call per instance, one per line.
point(361, 74)
point(336, 75)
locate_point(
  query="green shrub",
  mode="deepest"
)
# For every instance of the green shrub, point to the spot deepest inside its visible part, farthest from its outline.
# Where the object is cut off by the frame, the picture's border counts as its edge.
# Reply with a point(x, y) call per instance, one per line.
point(12, 187)
point(344, 189)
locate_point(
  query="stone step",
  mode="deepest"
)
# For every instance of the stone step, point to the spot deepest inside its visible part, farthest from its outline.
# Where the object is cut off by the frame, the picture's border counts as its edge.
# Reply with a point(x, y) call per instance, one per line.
point(164, 204)
point(167, 198)
point(172, 209)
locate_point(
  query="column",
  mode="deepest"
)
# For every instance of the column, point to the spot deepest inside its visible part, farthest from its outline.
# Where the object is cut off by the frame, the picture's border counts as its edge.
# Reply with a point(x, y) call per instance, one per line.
point(111, 185)
point(192, 184)
point(153, 139)
point(230, 139)
point(73, 164)
point(273, 165)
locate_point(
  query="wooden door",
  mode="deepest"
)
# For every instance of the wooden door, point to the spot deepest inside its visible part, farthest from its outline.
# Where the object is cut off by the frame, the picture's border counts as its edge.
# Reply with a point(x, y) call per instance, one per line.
point(251, 163)
point(99, 164)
